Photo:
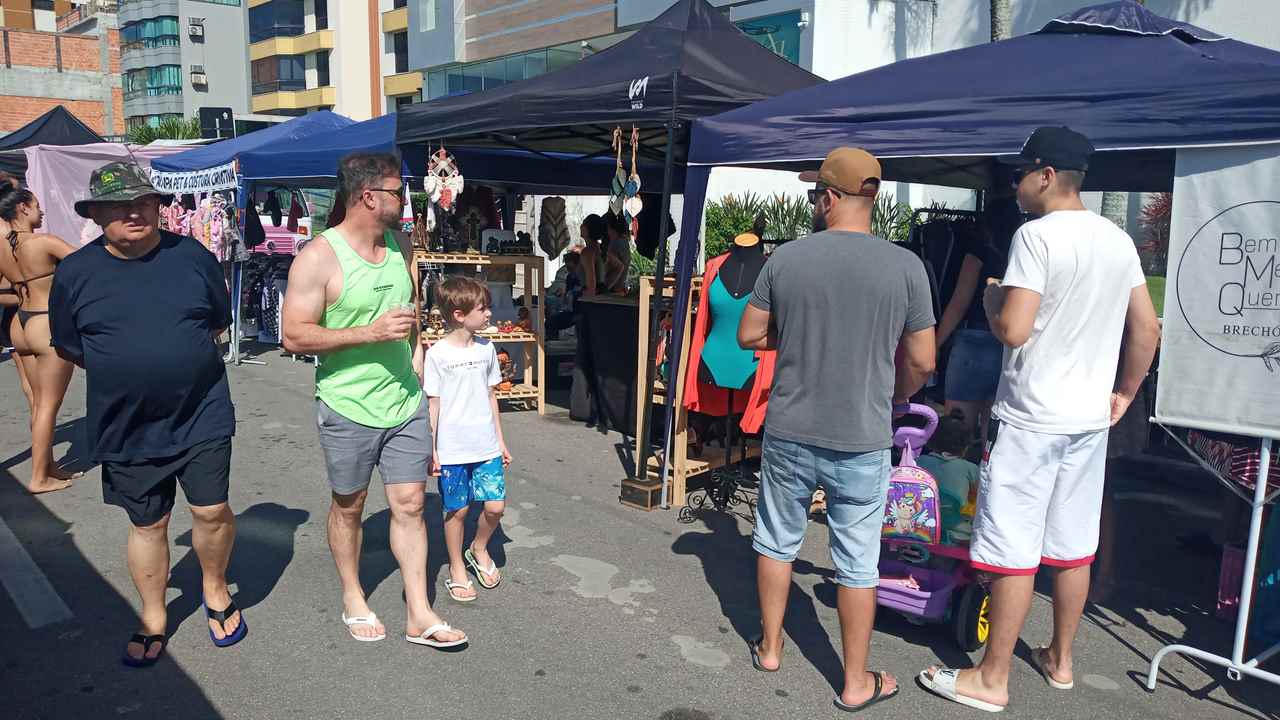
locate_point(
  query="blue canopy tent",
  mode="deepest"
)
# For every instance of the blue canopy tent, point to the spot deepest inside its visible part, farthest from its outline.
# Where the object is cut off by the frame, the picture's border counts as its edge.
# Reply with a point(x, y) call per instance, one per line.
point(215, 167)
point(212, 167)
point(1137, 84)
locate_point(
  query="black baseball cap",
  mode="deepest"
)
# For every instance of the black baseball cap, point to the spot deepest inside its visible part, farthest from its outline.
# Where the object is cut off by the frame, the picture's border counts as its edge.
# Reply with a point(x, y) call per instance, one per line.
point(1060, 148)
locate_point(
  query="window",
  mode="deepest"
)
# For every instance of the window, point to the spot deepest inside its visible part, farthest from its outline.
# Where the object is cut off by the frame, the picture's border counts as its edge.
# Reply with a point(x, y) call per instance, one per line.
point(404, 101)
point(279, 73)
point(150, 33)
point(322, 14)
point(780, 33)
point(234, 3)
point(322, 68)
point(397, 4)
point(437, 84)
point(278, 18)
point(152, 81)
point(495, 74)
point(426, 15)
point(400, 43)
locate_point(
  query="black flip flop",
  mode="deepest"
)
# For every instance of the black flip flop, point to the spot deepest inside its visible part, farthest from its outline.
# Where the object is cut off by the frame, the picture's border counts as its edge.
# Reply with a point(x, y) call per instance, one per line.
point(146, 641)
point(755, 656)
point(876, 697)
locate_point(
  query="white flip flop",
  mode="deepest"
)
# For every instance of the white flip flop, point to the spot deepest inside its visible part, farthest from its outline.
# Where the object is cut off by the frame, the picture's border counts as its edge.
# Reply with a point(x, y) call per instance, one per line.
point(371, 620)
point(943, 684)
point(425, 637)
point(450, 585)
point(1037, 659)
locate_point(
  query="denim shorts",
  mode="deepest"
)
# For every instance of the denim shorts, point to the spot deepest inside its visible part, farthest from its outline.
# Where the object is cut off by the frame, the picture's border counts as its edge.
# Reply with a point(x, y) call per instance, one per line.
point(856, 485)
point(973, 368)
point(461, 485)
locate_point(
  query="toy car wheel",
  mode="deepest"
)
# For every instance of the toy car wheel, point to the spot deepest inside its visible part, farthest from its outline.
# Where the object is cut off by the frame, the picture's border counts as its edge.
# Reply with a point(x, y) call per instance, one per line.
point(970, 619)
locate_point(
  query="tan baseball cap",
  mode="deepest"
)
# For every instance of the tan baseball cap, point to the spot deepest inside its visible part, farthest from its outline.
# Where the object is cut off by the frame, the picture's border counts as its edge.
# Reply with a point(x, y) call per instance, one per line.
point(850, 170)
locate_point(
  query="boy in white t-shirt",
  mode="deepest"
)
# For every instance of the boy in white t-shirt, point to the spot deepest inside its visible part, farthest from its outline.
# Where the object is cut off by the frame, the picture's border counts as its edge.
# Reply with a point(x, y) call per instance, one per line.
point(459, 377)
point(1073, 290)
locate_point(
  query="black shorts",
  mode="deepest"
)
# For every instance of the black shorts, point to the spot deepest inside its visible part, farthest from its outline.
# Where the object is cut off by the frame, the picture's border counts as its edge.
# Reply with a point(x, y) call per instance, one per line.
point(146, 489)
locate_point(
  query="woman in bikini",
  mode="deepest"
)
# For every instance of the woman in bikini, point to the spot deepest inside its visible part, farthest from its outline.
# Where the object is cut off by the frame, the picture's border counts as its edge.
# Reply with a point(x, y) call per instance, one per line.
point(9, 335)
point(27, 261)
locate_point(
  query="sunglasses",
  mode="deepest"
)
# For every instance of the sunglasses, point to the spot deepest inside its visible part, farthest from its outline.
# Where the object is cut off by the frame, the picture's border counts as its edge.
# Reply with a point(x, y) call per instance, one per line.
point(817, 192)
point(398, 192)
point(1021, 173)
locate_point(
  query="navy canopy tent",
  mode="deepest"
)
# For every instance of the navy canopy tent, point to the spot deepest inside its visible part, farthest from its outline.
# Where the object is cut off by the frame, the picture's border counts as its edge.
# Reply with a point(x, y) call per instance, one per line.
point(56, 127)
point(213, 166)
point(688, 62)
point(312, 161)
point(1139, 85)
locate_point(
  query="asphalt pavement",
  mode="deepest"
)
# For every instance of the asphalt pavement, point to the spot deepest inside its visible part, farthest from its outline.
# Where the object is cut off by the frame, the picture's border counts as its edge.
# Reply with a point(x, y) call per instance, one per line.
point(605, 611)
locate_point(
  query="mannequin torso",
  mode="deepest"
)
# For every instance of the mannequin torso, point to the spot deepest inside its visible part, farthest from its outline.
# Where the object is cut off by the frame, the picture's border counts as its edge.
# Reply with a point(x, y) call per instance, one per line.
point(724, 363)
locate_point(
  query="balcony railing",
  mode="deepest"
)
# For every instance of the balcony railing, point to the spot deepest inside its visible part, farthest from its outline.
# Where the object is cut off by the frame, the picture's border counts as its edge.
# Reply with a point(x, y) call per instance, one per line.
point(262, 88)
point(86, 11)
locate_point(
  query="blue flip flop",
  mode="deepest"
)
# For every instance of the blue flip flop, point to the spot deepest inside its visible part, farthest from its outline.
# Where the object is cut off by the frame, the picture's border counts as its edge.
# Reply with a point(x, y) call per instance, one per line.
point(221, 617)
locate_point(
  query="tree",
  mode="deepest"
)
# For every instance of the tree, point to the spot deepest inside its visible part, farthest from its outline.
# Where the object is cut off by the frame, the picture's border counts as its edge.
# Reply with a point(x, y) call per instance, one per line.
point(1001, 20)
point(168, 129)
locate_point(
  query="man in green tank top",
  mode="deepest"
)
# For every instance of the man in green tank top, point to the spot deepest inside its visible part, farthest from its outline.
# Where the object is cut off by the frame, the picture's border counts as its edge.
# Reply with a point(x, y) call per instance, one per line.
point(352, 302)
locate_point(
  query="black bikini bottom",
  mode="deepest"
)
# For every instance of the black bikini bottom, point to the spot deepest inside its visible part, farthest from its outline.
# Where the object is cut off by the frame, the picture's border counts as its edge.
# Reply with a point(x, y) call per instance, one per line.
point(25, 315)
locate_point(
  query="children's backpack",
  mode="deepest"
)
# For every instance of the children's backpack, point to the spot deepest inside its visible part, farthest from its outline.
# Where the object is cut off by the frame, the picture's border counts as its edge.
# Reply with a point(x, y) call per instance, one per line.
point(912, 511)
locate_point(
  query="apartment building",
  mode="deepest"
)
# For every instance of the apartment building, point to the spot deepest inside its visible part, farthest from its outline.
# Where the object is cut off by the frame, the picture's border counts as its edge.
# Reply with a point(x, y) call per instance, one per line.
point(34, 14)
point(43, 68)
point(181, 55)
point(309, 55)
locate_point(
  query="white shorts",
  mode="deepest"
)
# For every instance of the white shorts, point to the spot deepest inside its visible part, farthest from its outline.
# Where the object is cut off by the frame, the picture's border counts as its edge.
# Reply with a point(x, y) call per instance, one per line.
point(1039, 501)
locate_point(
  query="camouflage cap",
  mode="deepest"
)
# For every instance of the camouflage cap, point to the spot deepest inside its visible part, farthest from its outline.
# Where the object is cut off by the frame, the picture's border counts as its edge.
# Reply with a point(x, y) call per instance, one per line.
point(117, 182)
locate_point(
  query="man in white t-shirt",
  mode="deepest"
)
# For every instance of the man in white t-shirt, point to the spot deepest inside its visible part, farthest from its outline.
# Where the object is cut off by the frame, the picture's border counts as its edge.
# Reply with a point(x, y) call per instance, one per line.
point(1073, 291)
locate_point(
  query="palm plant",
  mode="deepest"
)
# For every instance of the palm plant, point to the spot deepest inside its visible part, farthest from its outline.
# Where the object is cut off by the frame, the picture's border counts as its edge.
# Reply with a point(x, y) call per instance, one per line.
point(890, 219)
point(167, 129)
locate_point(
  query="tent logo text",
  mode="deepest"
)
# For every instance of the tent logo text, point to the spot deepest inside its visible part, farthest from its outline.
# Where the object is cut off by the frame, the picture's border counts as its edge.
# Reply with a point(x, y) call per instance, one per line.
point(1228, 282)
point(639, 88)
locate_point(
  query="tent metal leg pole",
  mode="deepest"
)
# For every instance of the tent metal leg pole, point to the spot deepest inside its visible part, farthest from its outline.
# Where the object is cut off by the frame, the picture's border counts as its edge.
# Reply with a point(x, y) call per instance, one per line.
point(659, 286)
point(237, 282)
point(1237, 667)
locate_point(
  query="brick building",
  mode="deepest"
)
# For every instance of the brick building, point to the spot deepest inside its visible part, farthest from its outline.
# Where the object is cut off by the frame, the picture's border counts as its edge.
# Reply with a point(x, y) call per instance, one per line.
point(79, 71)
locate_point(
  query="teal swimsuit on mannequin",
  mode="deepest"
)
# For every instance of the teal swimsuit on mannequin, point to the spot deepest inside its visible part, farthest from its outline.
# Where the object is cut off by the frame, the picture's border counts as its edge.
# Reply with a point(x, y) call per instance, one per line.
point(730, 365)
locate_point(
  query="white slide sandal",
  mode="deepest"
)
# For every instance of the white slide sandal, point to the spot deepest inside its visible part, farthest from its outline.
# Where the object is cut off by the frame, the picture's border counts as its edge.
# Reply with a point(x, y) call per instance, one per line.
point(371, 620)
point(943, 684)
point(1038, 659)
point(425, 637)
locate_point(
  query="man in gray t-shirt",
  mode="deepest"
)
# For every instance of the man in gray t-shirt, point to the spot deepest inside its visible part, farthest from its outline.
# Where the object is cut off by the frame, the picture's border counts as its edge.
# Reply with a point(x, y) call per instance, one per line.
point(838, 306)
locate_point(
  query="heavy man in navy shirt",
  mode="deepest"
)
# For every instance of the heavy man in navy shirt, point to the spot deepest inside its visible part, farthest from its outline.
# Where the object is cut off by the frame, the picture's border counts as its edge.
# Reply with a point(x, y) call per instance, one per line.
point(139, 309)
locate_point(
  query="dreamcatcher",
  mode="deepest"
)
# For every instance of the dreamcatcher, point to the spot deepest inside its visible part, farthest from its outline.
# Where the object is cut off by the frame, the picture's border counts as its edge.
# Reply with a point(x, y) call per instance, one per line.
point(444, 181)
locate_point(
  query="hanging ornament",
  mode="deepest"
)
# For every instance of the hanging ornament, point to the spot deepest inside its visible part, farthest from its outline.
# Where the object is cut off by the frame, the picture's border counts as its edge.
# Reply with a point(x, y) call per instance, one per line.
point(633, 204)
point(444, 168)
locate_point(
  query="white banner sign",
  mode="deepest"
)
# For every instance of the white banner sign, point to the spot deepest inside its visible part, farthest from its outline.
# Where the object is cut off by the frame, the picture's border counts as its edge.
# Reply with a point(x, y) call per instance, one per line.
point(1220, 358)
point(222, 177)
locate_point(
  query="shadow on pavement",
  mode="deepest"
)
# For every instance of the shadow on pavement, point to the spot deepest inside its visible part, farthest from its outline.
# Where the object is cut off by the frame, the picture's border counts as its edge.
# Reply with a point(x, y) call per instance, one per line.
point(377, 563)
point(76, 459)
point(728, 564)
point(1169, 592)
point(73, 669)
point(263, 550)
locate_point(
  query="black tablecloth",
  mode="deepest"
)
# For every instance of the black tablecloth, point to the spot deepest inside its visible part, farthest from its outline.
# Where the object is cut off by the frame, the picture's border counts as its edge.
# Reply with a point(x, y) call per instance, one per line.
point(606, 359)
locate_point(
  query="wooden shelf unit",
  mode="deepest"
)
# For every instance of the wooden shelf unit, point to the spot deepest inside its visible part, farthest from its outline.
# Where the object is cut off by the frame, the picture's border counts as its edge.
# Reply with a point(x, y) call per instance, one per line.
point(645, 492)
point(532, 268)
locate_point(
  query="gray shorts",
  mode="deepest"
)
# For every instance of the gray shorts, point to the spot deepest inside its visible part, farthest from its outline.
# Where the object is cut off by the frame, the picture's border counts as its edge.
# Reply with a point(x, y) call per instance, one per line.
point(402, 453)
